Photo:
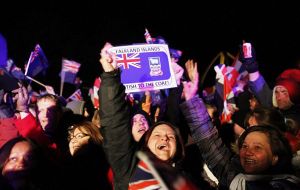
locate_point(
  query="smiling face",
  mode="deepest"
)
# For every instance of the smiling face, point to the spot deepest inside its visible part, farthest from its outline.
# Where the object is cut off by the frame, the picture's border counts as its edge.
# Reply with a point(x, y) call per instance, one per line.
point(139, 126)
point(255, 153)
point(162, 142)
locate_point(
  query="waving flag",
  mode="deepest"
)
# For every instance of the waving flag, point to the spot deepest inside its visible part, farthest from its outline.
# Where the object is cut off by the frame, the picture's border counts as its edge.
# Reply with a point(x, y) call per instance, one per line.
point(148, 37)
point(226, 77)
point(94, 92)
point(242, 77)
point(37, 62)
point(69, 70)
point(126, 60)
point(76, 95)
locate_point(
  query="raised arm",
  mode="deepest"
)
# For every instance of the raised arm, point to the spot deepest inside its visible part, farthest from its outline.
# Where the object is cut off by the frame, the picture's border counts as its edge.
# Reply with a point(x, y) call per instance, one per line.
point(118, 143)
point(257, 83)
point(205, 135)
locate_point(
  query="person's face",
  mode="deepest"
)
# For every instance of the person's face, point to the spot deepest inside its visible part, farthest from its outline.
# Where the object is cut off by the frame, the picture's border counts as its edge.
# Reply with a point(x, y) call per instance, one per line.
point(162, 142)
point(282, 98)
point(46, 113)
point(139, 126)
point(255, 154)
point(19, 159)
point(77, 140)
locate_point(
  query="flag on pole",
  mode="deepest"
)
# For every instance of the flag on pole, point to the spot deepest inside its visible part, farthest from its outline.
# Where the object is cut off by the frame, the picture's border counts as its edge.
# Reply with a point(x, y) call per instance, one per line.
point(69, 70)
point(76, 96)
point(37, 62)
point(148, 37)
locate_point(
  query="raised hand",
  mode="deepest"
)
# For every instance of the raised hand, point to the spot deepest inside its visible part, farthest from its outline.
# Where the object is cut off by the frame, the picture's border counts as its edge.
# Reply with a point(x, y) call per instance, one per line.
point(190, 88)
point(50, 89)
point(250, 63)
point(108, 59)
point(21, 99)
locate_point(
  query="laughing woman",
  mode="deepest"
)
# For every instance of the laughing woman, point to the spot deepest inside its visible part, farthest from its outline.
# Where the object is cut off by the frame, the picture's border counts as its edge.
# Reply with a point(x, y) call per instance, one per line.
point(264, 160)
point(162, 142)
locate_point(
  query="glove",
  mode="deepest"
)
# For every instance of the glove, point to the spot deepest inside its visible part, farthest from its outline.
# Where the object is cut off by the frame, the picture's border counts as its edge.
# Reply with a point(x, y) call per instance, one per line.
point(250, 64)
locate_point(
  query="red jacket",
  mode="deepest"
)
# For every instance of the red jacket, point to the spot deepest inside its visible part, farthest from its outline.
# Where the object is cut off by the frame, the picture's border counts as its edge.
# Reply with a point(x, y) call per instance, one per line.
point(28, 127)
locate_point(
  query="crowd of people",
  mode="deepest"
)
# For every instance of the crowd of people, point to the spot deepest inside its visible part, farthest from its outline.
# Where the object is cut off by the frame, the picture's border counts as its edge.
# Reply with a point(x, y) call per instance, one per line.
point(174, 142)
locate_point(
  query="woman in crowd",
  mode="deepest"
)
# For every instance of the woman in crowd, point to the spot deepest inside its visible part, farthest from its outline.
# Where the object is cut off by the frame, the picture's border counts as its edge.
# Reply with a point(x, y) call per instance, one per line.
point(264, 160)
point(87, 161)
point(24, 166)
point(162, 141)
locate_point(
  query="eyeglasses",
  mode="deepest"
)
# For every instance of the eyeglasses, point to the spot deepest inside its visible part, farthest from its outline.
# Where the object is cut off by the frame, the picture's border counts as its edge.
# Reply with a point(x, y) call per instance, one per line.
point(78, 136)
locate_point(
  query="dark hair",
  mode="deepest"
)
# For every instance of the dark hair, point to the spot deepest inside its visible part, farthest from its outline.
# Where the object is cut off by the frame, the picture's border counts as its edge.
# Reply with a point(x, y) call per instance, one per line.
point(40, 173)
point(293, 125)
point(279, 147)
point(7, 147)
point(180, 153)
point(268, 117)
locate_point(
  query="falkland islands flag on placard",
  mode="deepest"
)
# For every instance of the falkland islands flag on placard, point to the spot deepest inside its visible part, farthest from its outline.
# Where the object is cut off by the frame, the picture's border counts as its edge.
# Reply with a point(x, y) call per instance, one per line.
point(145, 67)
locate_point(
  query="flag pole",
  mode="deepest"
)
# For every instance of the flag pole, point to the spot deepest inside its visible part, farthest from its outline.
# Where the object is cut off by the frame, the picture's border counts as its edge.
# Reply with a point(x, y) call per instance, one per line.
point(32, 79)
point(62, 75)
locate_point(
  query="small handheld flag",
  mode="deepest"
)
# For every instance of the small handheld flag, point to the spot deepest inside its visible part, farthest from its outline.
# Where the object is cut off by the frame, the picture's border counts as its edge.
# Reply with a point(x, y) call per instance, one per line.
point(37, 62)
point(148, 37)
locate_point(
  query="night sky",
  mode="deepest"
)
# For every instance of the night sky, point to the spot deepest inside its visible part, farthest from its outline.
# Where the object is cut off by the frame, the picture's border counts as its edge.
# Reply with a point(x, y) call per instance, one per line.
point(201, 30)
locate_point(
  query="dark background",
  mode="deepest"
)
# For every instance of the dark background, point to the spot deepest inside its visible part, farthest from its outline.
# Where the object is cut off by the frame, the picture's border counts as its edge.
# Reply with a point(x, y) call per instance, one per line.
point(201, 30)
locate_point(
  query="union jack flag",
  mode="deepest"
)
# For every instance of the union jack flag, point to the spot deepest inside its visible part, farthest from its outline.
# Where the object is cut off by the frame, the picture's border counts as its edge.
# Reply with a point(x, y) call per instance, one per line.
point(76, 95)
point(69, 70)
point(128, 59)
point(70, 66)
point(226, 77)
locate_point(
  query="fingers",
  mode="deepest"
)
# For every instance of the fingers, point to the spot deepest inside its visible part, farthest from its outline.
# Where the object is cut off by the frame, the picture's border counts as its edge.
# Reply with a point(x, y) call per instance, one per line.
point(24, 92)
point(108, 59)
point(104, 50)
point(192, 70)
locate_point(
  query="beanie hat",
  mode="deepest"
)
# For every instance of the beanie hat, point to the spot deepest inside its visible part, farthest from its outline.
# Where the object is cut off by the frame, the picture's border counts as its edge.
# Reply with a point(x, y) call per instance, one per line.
point(293, 74)
point(142, 112)
point(289, 79)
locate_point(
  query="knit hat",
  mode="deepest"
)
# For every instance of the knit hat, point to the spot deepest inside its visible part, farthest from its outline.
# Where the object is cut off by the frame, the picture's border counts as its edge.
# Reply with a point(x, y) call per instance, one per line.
point(142, 112)
point(289, 79)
